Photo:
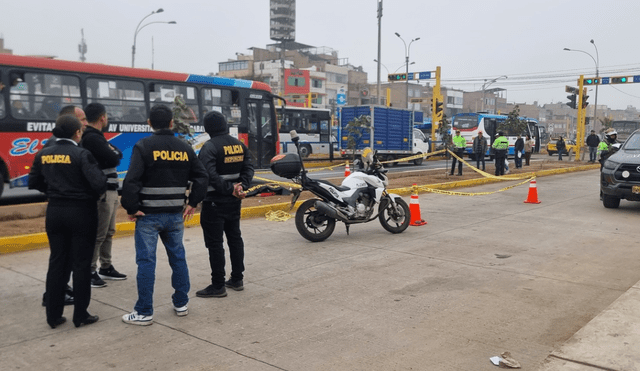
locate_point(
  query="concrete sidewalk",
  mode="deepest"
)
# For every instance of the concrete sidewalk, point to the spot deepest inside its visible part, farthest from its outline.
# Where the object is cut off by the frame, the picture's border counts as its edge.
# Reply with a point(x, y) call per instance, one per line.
point(487, 274)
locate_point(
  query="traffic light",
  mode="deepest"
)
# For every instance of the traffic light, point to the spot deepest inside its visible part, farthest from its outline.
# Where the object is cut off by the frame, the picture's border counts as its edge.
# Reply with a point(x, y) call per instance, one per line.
point(584, 101)
point(620, 80)
point(397, 77)
point(572, 101)
point(439, 107)
point(590, 81)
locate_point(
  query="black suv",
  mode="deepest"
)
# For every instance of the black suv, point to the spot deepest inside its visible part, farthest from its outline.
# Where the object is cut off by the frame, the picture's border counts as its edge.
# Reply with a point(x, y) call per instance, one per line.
point(620, 176)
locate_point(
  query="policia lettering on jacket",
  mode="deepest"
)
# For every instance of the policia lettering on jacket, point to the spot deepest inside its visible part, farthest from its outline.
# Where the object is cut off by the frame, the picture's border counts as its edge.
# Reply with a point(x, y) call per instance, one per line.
point(70, 177)
point(230, 172)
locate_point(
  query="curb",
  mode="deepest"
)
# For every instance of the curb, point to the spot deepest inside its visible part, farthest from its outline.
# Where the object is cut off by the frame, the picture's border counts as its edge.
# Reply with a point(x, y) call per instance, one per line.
point(39, 240)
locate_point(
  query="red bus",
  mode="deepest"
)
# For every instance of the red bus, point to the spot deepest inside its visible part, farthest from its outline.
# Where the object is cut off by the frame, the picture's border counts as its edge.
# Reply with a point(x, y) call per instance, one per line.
point(33, 90)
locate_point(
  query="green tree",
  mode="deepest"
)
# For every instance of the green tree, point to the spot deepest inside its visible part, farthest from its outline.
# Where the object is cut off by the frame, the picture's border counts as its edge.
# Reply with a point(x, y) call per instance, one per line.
point(514, 125)
point(355, 128)
point(607, 122)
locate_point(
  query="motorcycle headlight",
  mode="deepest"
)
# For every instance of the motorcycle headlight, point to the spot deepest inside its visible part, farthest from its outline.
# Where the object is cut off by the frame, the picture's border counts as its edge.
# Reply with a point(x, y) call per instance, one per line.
point(610, 165)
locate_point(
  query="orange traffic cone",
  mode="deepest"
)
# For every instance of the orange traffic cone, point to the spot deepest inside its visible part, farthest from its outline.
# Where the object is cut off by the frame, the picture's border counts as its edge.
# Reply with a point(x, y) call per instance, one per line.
point(347, 172)
point(414, 209)
point(532, 198)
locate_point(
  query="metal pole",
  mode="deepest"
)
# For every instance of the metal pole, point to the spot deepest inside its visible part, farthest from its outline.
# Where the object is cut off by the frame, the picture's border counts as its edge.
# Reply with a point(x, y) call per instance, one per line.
point(378, 100)
point(135, 34)
point(595, 107)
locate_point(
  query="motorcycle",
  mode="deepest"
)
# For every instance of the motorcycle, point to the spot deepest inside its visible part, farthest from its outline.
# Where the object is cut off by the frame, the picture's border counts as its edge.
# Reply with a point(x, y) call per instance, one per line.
point(353, 202)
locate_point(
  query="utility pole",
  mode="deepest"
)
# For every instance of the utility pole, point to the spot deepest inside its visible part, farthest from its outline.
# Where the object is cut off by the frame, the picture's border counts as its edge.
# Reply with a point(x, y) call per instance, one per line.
point(379, 48)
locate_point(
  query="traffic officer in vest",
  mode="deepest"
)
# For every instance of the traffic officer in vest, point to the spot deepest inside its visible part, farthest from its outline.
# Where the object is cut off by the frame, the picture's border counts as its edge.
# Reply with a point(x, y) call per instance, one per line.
point(154, 195)
point(459, 144)
point(500, 146)
point(73, 182)
point(608, 146)
point(230, 172)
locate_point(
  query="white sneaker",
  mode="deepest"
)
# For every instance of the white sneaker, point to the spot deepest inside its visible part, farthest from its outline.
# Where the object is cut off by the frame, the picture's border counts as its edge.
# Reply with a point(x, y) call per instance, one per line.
point(134, 318)
point(182, 311)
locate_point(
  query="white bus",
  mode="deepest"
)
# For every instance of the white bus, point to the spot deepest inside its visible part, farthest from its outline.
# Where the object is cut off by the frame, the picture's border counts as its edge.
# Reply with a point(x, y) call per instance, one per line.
point(313, 126)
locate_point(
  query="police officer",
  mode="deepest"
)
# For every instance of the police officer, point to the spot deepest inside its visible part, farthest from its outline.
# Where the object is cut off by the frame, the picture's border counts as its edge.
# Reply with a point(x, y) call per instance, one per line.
point(459, 144)
point(608, 146)
point(230, 172)
point(154, 193)
point(73, 182)
point(108, 158)
point(500, 146)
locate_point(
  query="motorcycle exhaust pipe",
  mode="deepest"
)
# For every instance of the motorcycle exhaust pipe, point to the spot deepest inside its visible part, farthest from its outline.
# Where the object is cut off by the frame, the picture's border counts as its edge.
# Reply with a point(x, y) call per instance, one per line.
point(330, 211)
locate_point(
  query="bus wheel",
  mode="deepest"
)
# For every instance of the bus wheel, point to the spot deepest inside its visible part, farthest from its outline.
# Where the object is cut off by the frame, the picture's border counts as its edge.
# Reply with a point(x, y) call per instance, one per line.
point(1, 183)
point(305, 151)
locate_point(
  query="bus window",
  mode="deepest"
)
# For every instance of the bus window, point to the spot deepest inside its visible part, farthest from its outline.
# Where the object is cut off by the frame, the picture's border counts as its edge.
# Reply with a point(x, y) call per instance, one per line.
point(224, 101)
point(163, 93)
point(124, 100)
point(2, 110)
point(42, 95)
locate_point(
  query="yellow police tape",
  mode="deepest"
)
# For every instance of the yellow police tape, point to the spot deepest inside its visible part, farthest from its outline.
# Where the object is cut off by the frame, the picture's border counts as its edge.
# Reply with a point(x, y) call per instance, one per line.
point(278, 216)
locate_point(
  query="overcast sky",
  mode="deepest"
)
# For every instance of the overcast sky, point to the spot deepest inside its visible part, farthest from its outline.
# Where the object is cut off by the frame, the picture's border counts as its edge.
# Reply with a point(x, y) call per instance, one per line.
point(471, 40)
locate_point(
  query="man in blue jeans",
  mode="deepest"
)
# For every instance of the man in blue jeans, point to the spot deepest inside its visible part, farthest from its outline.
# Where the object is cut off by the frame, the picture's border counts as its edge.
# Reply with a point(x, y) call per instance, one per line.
point(153, 194)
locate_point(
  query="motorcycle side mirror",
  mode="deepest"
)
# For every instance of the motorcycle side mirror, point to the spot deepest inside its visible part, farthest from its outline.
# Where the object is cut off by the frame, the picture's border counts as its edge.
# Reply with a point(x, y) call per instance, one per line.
point(294, 136)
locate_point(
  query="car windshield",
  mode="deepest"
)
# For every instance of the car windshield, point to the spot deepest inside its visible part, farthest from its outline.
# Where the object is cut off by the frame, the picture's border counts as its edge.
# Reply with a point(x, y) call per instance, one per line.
point(633, 143)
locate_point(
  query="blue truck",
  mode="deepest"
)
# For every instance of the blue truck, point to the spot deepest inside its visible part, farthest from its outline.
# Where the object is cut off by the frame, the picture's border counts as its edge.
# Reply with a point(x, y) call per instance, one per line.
point(392, 132)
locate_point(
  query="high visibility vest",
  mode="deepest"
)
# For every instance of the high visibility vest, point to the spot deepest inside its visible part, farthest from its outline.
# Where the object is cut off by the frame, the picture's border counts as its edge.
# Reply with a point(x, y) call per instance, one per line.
point(459, 142)
point(603, 147)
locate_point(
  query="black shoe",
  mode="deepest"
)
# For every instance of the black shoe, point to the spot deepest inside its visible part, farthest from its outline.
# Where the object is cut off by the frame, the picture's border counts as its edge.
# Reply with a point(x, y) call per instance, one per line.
point(68, 300)
point(96, 281)
point(458, 174)
point(87, 321)
point(57, 322)
point(234, 285)
point(111, 274)
point(212, 292)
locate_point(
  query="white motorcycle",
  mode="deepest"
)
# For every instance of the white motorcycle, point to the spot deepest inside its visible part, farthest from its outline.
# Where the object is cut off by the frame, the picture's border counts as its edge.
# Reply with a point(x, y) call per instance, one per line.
point(352, 202)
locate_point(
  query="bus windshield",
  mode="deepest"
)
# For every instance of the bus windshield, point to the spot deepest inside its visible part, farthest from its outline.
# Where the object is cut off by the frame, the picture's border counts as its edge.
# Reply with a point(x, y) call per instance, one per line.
point(313, 127)
point(465, 122)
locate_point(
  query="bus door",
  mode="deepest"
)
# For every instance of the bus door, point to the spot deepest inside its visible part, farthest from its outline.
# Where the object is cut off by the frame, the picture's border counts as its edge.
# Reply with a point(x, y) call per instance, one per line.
point(262, 131)
point(490, 128)
point(534, 133)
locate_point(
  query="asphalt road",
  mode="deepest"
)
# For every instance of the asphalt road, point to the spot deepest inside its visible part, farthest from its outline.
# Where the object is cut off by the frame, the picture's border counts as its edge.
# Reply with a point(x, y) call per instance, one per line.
point(487, 274)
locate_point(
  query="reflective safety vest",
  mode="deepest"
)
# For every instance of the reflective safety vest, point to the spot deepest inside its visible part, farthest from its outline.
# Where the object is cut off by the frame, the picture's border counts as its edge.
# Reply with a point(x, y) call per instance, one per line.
point(603, 147)
point(501, 144)
point(459, 142)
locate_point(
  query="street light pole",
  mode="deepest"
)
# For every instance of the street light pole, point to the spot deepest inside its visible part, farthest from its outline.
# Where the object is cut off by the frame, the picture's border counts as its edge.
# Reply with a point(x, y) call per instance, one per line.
point(407, 50)
point(486, 84)
point(597, 63)
point(133, 48)
point(595, 106)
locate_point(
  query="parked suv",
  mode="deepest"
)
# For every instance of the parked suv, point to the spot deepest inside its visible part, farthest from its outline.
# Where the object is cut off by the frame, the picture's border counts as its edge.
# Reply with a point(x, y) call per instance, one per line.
point(620, 176)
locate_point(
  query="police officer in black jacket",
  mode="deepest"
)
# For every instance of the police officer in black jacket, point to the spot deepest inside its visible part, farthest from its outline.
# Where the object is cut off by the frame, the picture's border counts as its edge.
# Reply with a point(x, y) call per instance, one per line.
point(73, 182)
point(230, 172)
point(108, 158)
point(154, 193)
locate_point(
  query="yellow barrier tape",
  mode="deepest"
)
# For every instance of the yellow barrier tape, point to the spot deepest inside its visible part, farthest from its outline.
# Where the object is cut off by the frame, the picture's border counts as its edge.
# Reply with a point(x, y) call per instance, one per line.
point(311, 170)
point(410, 158)
point(274, 182)
point(453, 193)
point(278, 216)
point(487, 175)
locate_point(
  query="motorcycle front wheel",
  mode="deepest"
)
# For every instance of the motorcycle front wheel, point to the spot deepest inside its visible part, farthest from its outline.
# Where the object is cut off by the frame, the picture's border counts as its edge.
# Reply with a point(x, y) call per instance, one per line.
point(395, 220)
point(312, 224)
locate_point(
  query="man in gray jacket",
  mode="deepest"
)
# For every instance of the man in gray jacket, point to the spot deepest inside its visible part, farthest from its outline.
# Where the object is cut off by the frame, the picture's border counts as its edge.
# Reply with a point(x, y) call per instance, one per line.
point(479, 149)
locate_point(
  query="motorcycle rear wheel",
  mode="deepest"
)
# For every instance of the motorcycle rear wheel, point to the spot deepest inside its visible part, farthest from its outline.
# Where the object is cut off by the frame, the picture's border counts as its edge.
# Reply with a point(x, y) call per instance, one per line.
point(313, 225)
point(395, 221)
